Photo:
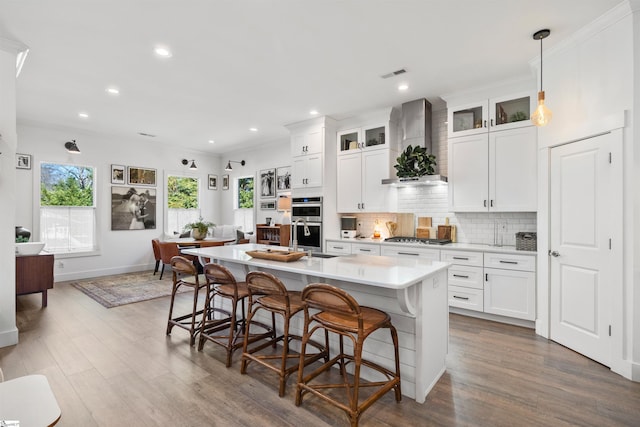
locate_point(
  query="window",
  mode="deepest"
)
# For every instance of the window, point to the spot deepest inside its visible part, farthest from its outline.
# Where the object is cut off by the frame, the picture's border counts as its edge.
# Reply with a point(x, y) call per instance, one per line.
point(183, 205)
point(243, 214)
point(67, 208)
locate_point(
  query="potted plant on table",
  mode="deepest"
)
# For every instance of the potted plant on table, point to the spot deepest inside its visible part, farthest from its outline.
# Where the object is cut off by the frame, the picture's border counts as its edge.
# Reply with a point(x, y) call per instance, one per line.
point(199, 228)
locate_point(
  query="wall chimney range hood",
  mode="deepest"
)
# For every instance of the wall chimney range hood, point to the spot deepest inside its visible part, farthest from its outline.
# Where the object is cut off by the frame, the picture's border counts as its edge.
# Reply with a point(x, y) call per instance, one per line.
point(416, 131)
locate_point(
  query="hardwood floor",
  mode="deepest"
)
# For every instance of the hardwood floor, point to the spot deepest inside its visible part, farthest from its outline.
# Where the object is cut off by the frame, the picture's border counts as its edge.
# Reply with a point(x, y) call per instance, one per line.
point(113, 367)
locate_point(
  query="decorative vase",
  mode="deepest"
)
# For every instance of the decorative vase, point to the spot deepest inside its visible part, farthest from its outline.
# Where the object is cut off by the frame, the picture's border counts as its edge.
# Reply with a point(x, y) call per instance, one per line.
point(198, 235)
point(22, 232)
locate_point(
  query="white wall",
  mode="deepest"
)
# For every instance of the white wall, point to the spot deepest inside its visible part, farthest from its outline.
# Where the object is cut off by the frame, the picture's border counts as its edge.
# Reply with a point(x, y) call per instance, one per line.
point(120, 250)
point(588, 80)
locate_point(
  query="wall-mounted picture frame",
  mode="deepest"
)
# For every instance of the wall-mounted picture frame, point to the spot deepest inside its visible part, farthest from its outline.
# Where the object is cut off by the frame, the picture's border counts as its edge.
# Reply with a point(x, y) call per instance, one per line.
point(283, 179)
point(213, 182)
point(268, 183)
point(23, 161)
point(268, 205)
point(141, 176)
point(225, 182)
point(118, 174)
point(133, 208)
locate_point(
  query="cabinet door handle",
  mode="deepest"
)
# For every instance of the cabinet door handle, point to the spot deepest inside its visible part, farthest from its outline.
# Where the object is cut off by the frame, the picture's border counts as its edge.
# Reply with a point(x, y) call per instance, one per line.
point(485, 123)
point(462, 298)
point(363, 206)
point(491, 122)
point(461, 257)
point(364, 250)
point(486, 277)
point(485, 203)
point(338, 247)
point(508, 262)
point(407, 253)
point(491, 204)
point(461, 276)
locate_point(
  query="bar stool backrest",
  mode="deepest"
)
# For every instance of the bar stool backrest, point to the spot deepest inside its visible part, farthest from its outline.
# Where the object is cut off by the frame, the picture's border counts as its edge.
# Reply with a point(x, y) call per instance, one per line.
point(218, 274)
point(261, 283)
point(330, 299)
point(182, 265)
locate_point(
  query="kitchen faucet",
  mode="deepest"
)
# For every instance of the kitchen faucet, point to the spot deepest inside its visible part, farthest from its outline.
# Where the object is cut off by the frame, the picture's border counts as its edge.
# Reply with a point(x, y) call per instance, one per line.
point(295, 232)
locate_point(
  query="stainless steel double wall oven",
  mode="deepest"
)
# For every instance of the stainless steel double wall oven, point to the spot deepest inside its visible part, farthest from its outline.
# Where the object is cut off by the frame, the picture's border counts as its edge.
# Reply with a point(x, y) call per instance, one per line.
point(308, 210)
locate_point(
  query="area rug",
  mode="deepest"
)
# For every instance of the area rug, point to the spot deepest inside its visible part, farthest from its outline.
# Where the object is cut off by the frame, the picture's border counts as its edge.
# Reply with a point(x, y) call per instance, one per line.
point(121, 289)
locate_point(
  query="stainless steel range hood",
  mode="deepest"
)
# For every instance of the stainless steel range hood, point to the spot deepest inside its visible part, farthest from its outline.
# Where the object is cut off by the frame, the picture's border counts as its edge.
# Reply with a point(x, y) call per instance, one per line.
point(416, 131)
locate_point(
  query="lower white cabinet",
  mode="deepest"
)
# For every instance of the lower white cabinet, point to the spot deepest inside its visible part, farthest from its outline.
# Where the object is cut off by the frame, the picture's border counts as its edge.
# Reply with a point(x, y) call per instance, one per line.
point(338, 248)
point(404, 251)
point(467, 298)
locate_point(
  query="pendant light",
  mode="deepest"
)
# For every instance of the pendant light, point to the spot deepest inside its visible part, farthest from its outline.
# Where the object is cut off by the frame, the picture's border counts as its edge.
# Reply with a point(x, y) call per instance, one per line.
point(542, 115)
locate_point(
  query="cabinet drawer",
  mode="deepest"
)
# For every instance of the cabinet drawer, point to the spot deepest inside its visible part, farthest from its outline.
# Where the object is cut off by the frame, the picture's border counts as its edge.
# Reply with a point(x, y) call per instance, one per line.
point(339, 248)
point(510, 261)
point(462, 258)
point(364, 249)
point(432, 254)
point(467, 298)
point(470, 277)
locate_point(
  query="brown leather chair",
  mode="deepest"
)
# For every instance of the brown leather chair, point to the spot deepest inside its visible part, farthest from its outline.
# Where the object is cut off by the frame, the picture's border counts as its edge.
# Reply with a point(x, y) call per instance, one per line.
point(167, 251)
point(267, 292)
point(155, 244)
point(338, 312)
point(185, 273)
point(227, 331)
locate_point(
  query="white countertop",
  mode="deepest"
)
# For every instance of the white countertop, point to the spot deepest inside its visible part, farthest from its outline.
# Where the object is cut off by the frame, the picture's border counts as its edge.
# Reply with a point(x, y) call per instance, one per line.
point(476, 247)
point(381, 271)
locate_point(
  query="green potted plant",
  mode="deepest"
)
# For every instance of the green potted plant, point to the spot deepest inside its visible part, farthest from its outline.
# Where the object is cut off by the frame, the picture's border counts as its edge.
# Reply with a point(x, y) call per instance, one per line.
point(199, 228)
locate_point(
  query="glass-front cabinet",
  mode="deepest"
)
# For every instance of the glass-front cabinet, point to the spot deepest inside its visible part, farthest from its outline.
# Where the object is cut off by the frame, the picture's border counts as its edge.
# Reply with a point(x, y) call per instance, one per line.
point(494, 114)
point(365, 138)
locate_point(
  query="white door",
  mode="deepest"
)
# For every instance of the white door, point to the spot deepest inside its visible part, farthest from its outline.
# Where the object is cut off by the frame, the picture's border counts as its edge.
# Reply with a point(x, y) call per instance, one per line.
point(583, 261)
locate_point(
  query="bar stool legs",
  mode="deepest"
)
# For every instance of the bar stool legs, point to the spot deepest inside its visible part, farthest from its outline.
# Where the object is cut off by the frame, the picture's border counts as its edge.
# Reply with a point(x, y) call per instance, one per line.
point(339, 313)
point(266, 292)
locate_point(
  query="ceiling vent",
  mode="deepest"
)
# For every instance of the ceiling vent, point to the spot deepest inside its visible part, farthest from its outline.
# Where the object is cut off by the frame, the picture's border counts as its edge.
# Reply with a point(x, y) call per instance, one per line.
point(394, 73)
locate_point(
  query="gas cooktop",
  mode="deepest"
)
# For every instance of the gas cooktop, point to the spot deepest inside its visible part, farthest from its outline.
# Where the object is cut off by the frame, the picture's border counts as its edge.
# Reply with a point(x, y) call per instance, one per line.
point(401, 239)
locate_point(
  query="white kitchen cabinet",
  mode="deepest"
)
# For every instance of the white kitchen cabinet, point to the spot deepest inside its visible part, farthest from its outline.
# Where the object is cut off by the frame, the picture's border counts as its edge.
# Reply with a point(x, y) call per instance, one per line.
point(306, 143)
point(338, 248)
point(365, 248)
point(465, 279)
point(306, 171)
point(372, 137)
point(510, 293)
point(410, 251)
point(494, 172)
point(360, 176)
point(494, 114)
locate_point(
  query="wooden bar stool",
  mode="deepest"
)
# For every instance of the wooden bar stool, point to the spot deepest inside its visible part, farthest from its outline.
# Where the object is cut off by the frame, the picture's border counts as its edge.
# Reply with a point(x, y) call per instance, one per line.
point(267, 292)
point(227, 331)
point(186, 274)
point(339, 313)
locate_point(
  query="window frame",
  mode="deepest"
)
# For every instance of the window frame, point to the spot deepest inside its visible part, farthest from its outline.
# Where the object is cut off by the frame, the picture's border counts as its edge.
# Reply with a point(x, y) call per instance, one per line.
point(166, 210)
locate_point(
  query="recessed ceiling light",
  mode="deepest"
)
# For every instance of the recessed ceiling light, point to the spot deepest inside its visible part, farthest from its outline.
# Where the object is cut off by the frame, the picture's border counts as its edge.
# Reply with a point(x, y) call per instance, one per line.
point(83, 115)
point(253, 129)
point(313, 112)
point(403, 87)
point(163, 52)
point(113, 90)
point(211, 141)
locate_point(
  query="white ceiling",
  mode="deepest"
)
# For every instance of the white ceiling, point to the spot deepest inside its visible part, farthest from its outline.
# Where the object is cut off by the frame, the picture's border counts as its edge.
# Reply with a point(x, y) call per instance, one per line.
point(264, 63)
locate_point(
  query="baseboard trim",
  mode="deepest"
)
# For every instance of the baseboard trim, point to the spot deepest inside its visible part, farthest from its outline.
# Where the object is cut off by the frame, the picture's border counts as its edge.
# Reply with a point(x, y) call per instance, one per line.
point(88, 274)
point(9, 337)
point(494, 317)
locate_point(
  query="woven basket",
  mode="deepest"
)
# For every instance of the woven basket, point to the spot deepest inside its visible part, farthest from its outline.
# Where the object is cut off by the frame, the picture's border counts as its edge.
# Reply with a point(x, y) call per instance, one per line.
point(526, 241)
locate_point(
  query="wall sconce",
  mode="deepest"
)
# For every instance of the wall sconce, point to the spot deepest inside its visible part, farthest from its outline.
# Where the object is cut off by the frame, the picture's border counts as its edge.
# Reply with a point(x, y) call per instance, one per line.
point(542, 115)
point(72, 147)
point(193, 164)
point(228, 168)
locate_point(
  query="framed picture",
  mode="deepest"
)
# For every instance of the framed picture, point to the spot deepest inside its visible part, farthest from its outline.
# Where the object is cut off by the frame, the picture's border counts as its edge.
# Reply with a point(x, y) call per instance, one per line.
point(23, 161)
point(284, 179)
point(133, 208)
point(268, 205)
point(213, 182)
point(141, 176)
point(268, 183)
point(225, 182)
point(117, 174)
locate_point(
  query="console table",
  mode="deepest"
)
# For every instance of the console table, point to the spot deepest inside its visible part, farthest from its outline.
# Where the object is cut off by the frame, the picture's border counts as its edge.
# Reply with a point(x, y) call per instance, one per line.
point(34, 273)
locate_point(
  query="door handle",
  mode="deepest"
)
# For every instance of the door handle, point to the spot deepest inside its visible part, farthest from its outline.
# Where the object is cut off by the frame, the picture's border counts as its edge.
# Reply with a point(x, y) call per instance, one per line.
point(554, 253)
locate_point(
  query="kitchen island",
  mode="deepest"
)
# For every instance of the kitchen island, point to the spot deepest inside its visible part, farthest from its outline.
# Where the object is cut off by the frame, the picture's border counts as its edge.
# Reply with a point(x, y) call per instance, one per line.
point(413, 292)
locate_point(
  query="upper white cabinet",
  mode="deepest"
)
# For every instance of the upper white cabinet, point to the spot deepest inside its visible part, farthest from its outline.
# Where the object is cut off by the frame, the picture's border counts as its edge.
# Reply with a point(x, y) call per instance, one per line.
point(373, 137)
point(507, 112)
point(359, 181)
point(494, 172)
point(307, 143)
point(308, 140)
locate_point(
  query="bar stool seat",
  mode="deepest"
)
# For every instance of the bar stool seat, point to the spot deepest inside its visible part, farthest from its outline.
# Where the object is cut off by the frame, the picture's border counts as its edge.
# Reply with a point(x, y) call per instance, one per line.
point(267, 292)
point(339, 313)
point(227, 331)
point(186, 274)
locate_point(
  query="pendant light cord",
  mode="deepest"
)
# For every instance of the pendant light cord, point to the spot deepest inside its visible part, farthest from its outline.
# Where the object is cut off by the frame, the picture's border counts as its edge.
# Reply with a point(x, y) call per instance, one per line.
point(541, 64)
